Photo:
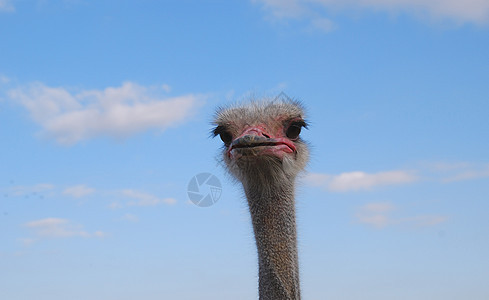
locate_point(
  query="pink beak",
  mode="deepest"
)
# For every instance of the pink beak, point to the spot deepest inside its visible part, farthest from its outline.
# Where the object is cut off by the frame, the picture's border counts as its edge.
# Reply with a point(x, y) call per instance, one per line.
point(256, 137)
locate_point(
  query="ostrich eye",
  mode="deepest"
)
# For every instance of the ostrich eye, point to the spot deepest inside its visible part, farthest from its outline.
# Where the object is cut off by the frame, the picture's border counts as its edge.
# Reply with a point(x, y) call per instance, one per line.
point(295, 129)
point(224, 134)
point(293, 132)
point(226, 137)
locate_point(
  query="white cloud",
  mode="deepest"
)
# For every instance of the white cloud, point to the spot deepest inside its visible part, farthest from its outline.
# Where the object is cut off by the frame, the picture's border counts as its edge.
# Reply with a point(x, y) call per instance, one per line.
point(470, 11)
point(476, 11)
point(447, 172)
point(22, 190)
point(57, 228)
point(352, 181)
point(424, 221)
point(468, 174)
point(378, 207)
point(4, 79)
point(375, 220)
point(78, 191)
point(130, 218)
point(323, 24)
point(446, 166)
point(144, 199)
point(443, 172)
point(284, 8)
point(361, 180)
point(6, 6)
point(27, 241)
point(375, 214)
point(379, 215)
point(115, 205)
point(166, 88)
point(115, 111)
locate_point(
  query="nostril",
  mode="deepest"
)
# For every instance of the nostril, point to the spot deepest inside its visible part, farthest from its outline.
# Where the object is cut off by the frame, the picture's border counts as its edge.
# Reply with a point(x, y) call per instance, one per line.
point(257, 131)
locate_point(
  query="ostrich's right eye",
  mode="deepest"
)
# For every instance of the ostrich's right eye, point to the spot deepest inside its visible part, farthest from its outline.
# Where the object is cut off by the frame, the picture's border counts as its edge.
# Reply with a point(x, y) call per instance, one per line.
point(294, 129)
point(224, 134)
point(226, 137)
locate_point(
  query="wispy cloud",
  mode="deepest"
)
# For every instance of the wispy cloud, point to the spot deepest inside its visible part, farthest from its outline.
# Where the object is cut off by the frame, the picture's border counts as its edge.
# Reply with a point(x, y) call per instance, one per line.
point(375, 214)
point(441, 172)
point(78, 191)
point(141, 199)
point(144, 199)
point(57, 228)
point(447, 172)
point(468, 174)
point(70, 117)
point(130, 218)
point(446, 166)
point(358, 180)
point(4, 79)
point(47, 189)
point(380, 215)
point(6, 6)
point(469, 11)
point(284, 8)
point(26, 190)
point(282, 11)
point(323, 24)
point(126, 197)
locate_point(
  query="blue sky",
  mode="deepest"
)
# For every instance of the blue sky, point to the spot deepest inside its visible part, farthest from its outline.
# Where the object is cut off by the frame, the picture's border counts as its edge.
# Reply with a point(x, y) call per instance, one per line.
point(105, 112)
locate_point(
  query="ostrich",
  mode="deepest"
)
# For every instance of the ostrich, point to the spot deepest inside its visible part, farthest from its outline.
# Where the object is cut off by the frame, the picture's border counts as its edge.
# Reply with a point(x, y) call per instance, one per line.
point(263, 150)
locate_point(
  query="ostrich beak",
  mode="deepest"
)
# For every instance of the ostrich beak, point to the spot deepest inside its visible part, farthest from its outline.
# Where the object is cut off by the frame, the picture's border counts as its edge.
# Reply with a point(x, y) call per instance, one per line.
point(256, 142)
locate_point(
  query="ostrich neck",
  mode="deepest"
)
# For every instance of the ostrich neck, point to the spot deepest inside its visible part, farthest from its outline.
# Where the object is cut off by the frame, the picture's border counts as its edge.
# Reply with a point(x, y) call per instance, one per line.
point(272, 208)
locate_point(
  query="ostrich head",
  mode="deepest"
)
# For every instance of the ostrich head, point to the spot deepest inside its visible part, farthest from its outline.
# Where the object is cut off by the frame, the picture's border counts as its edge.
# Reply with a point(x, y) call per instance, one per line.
point(262, 140)
point(263, 150)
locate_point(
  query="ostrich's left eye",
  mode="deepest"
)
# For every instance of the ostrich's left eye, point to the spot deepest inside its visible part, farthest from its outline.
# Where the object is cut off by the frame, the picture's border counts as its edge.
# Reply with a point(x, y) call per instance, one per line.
point(294, 129)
